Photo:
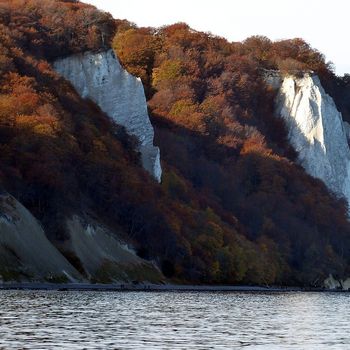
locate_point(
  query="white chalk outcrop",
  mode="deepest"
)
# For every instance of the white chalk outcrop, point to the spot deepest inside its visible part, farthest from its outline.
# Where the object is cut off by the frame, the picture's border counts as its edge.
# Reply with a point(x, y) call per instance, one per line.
point(103, 256)
point(334, 284)
point(100, 77)
point(25, 251)
point(26, 254)
point(316, 130)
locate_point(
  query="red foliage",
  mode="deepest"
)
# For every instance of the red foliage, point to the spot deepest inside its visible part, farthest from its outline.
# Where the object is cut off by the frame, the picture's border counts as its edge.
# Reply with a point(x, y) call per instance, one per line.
point(231, 209)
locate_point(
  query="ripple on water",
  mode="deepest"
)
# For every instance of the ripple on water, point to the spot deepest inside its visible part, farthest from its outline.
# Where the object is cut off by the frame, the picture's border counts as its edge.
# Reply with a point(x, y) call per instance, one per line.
point(173, 320)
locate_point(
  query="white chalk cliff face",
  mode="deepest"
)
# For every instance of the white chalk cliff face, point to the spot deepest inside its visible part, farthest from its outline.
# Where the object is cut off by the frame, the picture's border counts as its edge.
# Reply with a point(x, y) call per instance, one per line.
point(100, 77)
point(25, 251)
point(316, 130)
point(103, 256)
point(26, 254)
point(332, 283)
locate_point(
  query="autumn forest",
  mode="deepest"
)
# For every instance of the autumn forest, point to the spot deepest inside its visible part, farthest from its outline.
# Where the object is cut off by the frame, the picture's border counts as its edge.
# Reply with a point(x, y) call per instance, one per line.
point(233, 206)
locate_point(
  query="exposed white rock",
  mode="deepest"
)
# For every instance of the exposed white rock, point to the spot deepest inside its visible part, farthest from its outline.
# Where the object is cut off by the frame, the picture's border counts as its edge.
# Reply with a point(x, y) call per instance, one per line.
point(103, 255)
point(25, 251)
point(26, 254)
point(316, 130)
point(100, 77)
point(346, 284)
point(347, 131)
point(332, 283)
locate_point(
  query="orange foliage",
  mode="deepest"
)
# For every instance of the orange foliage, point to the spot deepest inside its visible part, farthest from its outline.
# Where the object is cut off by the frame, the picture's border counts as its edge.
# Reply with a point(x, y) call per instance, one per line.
point(231, 209)
point(216, 128)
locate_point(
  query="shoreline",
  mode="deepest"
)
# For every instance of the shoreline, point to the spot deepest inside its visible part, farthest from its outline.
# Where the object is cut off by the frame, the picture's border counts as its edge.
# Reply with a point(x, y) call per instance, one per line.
point(117, 287)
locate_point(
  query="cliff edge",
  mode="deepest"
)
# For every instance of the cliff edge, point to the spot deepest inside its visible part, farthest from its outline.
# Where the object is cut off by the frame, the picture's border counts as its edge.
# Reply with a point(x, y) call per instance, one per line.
point(100, 77)
point(316, 130)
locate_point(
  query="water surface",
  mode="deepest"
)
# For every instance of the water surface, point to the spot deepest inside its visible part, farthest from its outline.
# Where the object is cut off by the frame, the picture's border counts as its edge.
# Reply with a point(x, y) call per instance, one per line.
point(173, 320)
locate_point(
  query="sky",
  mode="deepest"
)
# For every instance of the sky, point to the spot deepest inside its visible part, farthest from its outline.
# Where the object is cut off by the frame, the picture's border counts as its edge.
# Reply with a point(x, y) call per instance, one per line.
point(322, 23)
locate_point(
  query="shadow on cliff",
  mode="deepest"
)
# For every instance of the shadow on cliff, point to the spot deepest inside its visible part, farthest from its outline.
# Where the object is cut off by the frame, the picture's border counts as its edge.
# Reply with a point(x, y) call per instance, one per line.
point(268, 194)
point(317, 156)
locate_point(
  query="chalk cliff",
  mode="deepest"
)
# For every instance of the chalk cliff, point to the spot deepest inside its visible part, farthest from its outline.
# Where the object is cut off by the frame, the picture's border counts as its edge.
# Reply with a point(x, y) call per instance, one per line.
point(316, 130)
point(27, 255)
point(100, 77)
point(103, 256)
point(25, 252)
point(332, 283)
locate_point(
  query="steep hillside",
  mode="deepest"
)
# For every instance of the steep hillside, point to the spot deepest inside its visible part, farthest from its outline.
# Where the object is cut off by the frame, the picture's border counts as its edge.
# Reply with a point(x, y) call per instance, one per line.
point(316, 131)
point(217, 127)
point(60, 155)
point(25, 251)
point(100, 77)
point(233, 207)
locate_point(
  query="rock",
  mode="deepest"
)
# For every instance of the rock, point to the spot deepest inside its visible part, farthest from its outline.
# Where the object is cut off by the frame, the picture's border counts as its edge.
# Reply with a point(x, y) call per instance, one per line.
point(104, 257)
point(347, 131)
point(25, 251)
point(316, 130)
point(333, 284)
point(26, 254)
point(100, 77)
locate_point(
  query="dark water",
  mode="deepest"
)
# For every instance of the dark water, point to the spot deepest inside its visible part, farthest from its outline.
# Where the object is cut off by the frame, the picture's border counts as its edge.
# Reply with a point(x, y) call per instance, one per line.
point(173, 320)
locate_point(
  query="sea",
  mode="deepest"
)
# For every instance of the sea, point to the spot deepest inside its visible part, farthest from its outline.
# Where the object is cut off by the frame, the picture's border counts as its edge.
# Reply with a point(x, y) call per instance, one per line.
point(173, 320)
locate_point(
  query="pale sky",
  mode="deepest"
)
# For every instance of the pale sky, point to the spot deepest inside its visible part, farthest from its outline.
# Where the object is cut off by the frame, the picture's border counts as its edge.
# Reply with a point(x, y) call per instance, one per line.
point(322, 23)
